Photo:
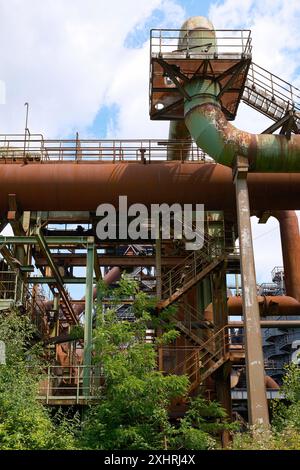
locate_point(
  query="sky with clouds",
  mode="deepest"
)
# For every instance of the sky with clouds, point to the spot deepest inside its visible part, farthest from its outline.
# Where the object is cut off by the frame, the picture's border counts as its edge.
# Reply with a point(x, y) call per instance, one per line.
point(83, 65)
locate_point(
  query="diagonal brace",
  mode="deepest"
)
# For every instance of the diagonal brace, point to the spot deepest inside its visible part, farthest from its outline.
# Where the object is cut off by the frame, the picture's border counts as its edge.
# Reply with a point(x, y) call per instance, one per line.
point(59, 280)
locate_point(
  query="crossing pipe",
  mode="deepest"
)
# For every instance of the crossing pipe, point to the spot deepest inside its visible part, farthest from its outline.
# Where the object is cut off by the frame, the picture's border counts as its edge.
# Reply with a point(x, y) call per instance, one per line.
point(212, 132)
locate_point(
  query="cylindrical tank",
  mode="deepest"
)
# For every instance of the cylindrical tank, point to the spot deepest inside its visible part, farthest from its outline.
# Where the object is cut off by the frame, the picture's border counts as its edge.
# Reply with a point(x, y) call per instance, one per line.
point(197, 36)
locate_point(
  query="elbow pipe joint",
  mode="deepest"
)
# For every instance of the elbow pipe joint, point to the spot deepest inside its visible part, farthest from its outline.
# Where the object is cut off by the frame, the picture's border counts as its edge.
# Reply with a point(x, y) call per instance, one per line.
point(212, 132)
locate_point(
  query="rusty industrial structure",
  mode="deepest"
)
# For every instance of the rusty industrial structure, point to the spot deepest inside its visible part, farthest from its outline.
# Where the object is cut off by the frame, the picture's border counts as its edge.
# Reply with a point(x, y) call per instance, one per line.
point(50, 190)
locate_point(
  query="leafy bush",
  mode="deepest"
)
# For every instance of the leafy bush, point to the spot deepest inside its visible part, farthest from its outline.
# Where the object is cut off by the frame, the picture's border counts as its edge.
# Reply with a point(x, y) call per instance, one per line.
point(24, 422)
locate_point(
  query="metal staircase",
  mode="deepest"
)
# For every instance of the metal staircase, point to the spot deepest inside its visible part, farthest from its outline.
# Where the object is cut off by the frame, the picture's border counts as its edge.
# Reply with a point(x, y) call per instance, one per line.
point(178, 280)
point(190, 324)
point(273, 97)
point(202, 361)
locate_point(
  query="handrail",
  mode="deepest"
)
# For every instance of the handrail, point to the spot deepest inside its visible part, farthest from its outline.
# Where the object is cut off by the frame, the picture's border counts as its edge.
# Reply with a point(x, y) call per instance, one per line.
point(203, 359)
point(66, 383)
point(39, 150)
point(229, 42)
point(273, 87)
point(182, 273)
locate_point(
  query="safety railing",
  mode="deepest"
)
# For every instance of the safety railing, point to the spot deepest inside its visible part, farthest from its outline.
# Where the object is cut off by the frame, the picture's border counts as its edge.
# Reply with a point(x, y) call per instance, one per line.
point(199, 43)
point(286, 340)
point(270, 288)
point(40, 150)
point(7, 285)
point(34, 302)
point(177, 277)
point(241, 394)
point(67, 384)
point(277, 274)
point(270, 94)
point(199, 362)
point(192, 319)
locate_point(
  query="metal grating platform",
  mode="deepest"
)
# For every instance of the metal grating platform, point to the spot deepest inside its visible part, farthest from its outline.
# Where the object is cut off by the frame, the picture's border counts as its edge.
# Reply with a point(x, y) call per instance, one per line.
point(226, 61)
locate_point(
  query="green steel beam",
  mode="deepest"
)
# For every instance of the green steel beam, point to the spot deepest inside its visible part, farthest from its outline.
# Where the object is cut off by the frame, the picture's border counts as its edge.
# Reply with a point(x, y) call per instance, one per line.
point(32, 240)
point(88, 316)
point(59, 280)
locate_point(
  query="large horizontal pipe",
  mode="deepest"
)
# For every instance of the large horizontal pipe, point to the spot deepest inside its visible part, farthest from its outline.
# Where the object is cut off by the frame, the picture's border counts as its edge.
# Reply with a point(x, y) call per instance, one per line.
point(269, 324)
point(79, 259)
point(75, 187)
point(268, 306)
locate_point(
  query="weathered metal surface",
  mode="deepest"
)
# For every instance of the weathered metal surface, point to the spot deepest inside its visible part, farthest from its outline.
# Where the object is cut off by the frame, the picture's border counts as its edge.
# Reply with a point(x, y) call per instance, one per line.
point(78, 259)
point(268, 306)
point(223, 141)
point(290, 243)
point(88, 315)
point(83, 187)
point(257, 399)
point(269, 324)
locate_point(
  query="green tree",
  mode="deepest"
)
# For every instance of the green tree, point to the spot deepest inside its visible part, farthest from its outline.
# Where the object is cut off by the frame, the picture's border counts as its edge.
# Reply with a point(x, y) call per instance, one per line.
point(133, 412)
point(24, 422)
point(284, 433)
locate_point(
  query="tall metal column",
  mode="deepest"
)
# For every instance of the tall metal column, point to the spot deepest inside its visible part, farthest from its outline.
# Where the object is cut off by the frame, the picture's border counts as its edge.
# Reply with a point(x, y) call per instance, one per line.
point(158, 264)
point(88, 316)
point(158, 288)
point(256, 392)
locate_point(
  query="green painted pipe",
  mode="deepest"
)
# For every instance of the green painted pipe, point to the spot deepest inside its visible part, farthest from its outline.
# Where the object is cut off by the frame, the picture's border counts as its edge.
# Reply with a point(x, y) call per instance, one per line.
point(212, 132)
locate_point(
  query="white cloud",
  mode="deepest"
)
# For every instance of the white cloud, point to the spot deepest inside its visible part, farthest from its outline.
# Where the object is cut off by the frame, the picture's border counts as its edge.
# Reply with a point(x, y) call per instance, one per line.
point(62, 56)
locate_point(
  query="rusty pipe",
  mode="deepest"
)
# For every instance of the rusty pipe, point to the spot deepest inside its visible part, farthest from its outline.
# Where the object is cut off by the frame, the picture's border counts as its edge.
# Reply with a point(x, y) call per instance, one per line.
point(111, 277)
point(212, 132)
point(58, 184)
point(268, 306)
point(269, 324)
point(290, 244)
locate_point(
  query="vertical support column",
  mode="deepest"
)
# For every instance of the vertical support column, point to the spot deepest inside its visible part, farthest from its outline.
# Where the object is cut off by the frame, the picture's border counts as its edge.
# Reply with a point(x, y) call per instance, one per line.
point(158, 264)
point(158, 288)
point(56, 315)
point(256, 392)
point(88, 316)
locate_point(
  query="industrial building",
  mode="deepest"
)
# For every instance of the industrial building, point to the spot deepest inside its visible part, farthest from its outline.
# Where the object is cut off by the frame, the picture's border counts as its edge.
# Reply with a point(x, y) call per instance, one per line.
point(234, 342)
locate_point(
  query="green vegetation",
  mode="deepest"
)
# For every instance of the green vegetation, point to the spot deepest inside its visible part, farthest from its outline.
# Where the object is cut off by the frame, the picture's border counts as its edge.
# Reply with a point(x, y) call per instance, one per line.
point(285, 430)
point(24, 422)
point(134, 406)
point(135, 398)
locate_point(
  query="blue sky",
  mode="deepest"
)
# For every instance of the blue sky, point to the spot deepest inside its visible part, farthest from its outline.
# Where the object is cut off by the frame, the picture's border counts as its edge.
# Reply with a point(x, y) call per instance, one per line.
point(107, 115)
